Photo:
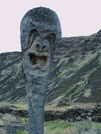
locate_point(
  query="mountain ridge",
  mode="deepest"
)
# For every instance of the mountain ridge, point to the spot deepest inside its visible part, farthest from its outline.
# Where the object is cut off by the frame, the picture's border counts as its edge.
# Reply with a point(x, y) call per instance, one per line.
point(75, 76)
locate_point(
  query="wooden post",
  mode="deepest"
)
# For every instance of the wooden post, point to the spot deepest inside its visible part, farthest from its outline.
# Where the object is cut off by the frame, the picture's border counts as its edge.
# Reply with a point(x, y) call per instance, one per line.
point(40, 32)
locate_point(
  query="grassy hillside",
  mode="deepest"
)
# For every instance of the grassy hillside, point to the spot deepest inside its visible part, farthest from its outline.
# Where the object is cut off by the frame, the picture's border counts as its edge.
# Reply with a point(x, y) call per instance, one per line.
point(73, 94)
point(75, 75)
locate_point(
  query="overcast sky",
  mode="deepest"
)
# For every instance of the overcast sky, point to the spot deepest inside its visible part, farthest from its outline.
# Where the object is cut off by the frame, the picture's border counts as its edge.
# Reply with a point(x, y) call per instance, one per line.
point(77, 17)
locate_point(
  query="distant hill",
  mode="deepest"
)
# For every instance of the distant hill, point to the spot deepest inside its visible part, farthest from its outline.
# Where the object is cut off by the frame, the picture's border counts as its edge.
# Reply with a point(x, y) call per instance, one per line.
point(75, 76)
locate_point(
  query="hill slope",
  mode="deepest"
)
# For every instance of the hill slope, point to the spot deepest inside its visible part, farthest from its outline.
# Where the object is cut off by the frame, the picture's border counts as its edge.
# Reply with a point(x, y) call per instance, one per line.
point(75, 77)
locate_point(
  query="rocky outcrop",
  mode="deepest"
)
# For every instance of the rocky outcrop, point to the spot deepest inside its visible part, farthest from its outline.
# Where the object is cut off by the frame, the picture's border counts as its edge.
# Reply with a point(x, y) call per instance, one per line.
point(75, 114)
point(75, 76)
point(78, 70)
point(70, 115)
point(11, 80)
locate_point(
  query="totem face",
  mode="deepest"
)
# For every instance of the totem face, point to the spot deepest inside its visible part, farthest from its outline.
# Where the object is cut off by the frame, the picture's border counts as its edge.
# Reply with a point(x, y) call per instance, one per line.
point(38, 56)
point(40, 31)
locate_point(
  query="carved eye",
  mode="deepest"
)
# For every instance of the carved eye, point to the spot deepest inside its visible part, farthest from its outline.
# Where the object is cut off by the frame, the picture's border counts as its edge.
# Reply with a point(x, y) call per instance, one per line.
point(35, 37)
point(32, 35)
point(50, 38)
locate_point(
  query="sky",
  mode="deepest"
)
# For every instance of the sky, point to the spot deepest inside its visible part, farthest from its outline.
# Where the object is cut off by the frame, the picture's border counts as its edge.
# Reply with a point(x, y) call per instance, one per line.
point(77, 17)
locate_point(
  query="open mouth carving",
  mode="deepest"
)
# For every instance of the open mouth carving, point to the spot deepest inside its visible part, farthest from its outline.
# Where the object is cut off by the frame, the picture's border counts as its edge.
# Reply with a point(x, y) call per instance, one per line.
point(39, 60)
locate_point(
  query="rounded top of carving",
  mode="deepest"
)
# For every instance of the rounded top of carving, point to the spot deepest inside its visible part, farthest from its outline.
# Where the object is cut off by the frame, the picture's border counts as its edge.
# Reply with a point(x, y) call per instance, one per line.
point(41, 19)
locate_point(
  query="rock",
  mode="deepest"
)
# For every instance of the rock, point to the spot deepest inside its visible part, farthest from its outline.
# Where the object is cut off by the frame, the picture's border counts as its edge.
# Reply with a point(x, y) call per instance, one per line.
point(96, 118)
point(78, 118)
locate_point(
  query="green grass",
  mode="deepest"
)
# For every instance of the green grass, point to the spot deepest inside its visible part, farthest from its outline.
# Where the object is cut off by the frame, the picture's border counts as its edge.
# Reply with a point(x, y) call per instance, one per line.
point(69, 90)
point(20, 132)
point(8, 106)
point(62, 127)
point(56, 124)
point(60, 73)
point(16, 71)
point(99, 63)
point(24, 120)
point(86, 125)
point(88, 73)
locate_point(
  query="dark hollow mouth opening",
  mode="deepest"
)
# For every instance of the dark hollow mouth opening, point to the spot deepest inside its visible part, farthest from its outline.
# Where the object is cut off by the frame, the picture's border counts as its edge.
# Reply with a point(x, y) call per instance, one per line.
point(38, 60)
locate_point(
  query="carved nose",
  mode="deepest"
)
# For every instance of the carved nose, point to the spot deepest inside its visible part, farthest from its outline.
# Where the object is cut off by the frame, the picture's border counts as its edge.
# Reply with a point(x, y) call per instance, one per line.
point(41, 47)
point(44, 47)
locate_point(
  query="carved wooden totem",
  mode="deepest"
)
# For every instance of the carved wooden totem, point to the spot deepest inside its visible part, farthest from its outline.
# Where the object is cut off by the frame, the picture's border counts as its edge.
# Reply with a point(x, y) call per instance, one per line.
point(40, 32)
